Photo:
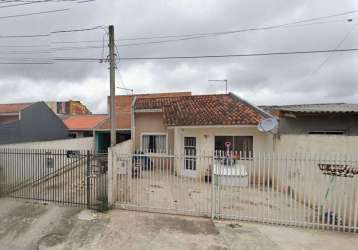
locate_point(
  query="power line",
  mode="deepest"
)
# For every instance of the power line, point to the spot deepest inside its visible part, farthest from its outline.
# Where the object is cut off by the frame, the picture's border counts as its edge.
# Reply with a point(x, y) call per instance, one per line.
point(244, 30)
point(35, 13)
point(63, 59)
point(214, 56)
point(38, 2)
point(218, 34)
point(25, 63)
point(77, 30)
point(23, 36)
point(242, 55)
point(200, 35)
point(49, 34)
point(340, 43)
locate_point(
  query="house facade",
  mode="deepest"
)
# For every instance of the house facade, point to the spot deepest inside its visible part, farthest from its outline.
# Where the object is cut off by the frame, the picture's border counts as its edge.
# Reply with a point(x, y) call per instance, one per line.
point(124, 105)
point(197, 125)
point(316, 128)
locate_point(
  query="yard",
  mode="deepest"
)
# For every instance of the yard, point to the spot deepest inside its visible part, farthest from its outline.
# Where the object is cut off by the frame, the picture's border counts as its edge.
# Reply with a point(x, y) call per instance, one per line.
point(165, 192)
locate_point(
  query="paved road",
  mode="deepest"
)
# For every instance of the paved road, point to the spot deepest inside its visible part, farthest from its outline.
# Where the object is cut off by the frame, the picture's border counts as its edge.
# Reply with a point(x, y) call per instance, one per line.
point(34, 226)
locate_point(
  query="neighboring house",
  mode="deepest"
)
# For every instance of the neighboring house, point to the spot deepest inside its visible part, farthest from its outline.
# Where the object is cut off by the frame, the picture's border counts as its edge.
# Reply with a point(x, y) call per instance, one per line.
point(124, 119)
point(11, 112)
point(197, 125)
point(68, 108)
point(328, 127)
point(80, 126)
point(59, 108)
point(29, 122)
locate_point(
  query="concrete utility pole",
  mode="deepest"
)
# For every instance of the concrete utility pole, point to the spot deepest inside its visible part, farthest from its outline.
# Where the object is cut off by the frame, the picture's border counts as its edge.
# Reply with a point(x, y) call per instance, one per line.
point(112, 79)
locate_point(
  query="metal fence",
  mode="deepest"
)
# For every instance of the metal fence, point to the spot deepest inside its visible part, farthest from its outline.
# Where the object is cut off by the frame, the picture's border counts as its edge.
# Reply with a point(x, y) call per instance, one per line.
point(68, 177)
point(297, 189)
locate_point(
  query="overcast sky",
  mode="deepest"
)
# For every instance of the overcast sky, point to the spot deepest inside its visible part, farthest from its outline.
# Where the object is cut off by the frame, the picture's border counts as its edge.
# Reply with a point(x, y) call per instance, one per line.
point(270, 80)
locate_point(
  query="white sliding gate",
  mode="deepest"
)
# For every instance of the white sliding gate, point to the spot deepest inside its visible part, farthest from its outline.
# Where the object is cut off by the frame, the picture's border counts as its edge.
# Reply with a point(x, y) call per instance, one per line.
point(314, 191)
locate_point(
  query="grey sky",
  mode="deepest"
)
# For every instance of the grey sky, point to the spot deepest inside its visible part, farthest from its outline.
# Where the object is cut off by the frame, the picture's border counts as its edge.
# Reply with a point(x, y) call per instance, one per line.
point(261, 80)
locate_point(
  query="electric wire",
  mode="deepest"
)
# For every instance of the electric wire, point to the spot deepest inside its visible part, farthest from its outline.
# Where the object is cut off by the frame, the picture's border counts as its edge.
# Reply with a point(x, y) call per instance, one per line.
point(279, 53)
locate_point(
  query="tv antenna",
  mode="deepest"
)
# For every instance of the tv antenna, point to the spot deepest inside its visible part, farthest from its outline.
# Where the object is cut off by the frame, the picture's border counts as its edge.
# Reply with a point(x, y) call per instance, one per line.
point(131, 90)
point(222, 81)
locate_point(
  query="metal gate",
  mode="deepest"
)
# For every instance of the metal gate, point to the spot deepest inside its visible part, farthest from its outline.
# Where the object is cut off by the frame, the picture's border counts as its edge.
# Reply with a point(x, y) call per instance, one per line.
point(307, 190)
point(67, 177)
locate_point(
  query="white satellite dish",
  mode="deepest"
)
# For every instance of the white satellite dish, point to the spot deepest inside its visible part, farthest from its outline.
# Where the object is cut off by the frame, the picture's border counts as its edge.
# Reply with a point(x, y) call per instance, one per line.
point(267, 125)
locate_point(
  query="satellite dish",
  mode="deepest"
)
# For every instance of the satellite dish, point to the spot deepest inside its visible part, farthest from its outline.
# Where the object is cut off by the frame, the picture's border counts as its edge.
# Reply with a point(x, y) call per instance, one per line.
point(267, 125)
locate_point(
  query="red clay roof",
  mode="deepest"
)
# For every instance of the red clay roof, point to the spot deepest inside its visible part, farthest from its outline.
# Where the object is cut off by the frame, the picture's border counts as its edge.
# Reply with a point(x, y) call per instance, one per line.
point(124, 106)
point(203, 110)
point(13, 108)
point(84, 122)
point(123, 122)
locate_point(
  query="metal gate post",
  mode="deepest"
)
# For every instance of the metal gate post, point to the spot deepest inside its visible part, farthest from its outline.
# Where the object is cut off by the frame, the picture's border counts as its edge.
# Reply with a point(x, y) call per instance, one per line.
point(213, 188)
point(88, 189)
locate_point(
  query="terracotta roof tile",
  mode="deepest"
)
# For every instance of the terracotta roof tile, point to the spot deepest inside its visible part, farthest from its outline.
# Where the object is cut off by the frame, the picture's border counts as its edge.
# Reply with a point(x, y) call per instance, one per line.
point(123, 122)
point(124, 106)
point(84, 122)
point(203, 110)
point(13, 108)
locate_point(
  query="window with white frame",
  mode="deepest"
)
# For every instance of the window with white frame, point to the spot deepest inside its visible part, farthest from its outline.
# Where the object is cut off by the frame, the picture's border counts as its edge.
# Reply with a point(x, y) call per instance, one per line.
point(154, 143)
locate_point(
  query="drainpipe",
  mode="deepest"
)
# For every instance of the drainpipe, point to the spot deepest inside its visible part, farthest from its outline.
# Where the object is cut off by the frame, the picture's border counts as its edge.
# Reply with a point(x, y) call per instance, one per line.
point(133, 122)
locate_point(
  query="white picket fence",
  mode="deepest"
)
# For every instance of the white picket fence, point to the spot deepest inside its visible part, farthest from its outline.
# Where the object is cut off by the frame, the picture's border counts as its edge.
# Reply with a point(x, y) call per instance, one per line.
point(297, 189)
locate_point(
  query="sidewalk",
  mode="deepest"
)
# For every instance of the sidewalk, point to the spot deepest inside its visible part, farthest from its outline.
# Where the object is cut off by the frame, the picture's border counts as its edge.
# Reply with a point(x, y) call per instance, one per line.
point(135, 230)
point(34, 226)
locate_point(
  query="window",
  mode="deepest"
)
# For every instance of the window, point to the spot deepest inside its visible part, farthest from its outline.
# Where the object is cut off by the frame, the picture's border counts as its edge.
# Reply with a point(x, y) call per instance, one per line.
point(190, 153)
point(154, 143)
point(238, 144)
point(330, 132)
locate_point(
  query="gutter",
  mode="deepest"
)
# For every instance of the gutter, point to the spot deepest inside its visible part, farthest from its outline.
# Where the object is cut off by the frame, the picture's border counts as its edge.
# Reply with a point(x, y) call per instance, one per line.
point(133, 122)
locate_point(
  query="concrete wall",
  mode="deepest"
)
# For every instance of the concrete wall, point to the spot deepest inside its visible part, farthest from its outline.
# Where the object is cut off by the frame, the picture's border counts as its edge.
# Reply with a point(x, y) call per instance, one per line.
point(298, 176)
point(303, 124)
point(68, 144)
point(318, 144)
point(23, 162)
point(37, 123)
point(119, 157)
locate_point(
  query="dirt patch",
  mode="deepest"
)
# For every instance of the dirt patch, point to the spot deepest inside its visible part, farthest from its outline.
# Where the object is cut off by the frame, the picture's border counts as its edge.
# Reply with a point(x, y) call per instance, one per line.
point(182, 225)
point(51, 241)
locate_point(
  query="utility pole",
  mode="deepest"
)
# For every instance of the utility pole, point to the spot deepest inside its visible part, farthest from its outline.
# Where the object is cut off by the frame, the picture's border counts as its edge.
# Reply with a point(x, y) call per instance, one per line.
point(225, 81)
point(112, 79)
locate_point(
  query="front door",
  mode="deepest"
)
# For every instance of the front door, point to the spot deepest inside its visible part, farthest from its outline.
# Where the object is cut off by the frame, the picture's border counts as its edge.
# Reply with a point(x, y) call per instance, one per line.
point(190, 156)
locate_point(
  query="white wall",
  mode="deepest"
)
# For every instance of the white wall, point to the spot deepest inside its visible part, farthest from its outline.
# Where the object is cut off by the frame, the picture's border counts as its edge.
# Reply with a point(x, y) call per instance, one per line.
point(119, 158)
point(318, 144)
point(69, 144)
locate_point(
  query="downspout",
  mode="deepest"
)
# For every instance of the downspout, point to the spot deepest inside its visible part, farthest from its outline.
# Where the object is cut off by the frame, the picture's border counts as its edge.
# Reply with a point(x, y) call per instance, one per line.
point(133, 122)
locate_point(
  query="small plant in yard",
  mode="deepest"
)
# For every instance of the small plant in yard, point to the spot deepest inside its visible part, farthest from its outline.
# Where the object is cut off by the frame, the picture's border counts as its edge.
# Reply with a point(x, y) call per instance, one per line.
point(103, 206)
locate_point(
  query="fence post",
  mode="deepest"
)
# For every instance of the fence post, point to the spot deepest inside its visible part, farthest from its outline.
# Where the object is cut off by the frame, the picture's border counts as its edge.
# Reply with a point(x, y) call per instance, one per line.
point(88, 163)
point(213, 188)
